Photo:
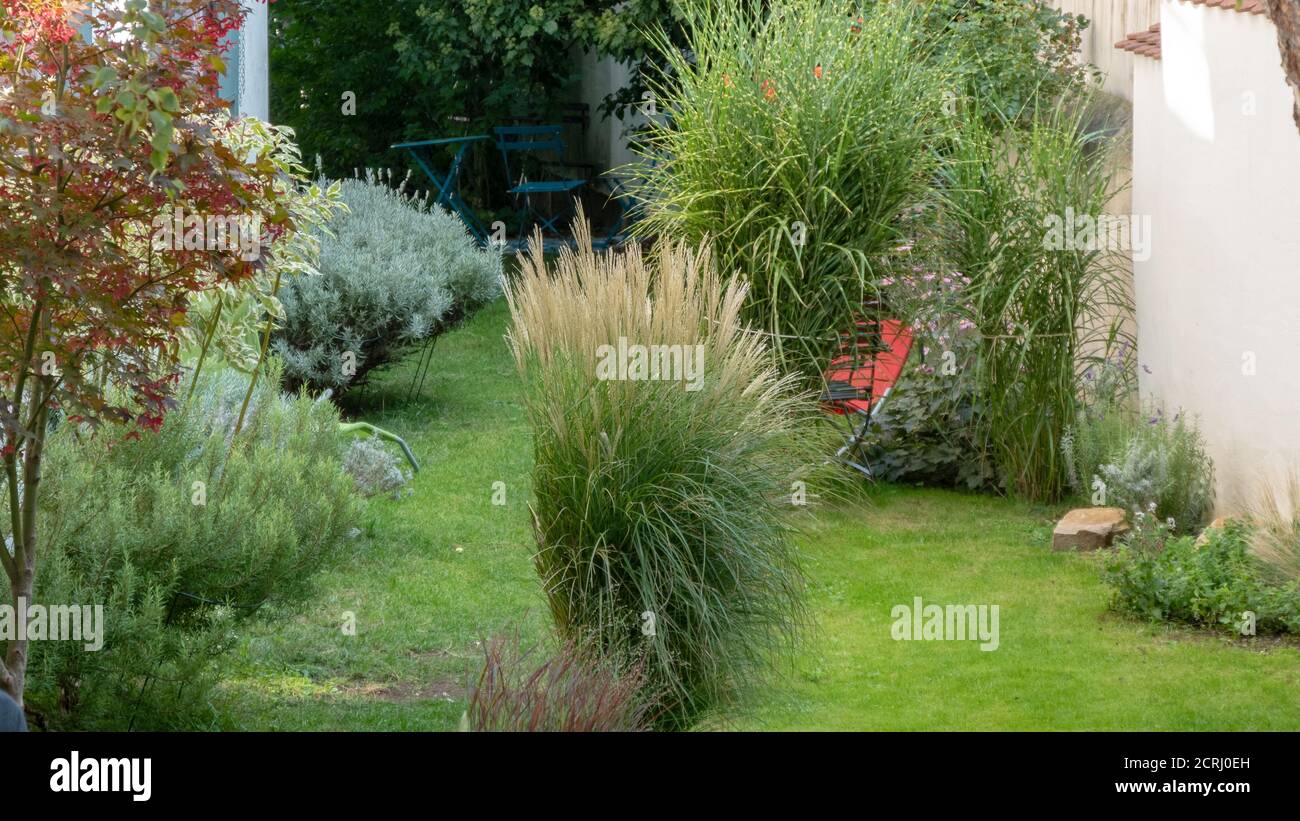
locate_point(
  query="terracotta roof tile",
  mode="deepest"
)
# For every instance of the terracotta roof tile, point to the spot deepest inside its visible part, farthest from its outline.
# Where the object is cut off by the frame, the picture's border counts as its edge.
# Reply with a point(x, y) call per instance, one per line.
point(1146, 43)
point(1247, 6)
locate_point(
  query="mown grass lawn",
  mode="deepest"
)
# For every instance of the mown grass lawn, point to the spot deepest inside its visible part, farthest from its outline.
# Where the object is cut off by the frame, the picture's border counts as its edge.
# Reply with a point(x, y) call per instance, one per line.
point(445, 567)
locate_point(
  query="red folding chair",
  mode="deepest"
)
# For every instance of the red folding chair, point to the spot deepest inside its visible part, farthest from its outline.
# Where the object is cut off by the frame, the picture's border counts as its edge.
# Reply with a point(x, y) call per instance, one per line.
point(861, 375)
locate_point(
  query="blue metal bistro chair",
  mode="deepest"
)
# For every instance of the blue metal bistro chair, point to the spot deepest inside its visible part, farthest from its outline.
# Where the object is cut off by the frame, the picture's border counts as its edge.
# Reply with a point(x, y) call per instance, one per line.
point(526, 143)
point(448, 185)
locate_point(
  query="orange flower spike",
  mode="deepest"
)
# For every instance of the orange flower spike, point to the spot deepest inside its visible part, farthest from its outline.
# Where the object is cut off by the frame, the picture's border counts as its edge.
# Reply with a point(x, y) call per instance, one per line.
point(817, 72)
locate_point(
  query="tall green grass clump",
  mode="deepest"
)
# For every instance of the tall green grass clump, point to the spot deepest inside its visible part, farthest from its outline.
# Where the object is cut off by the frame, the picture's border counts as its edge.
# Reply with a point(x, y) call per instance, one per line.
point(1047, 303)
point(658, 500)
point(795, 134)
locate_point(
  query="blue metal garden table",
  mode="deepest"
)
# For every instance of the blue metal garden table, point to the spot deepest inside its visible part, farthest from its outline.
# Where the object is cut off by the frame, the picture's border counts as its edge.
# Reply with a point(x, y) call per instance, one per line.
point(448, 185)
point(448, 196)
point(517, 140)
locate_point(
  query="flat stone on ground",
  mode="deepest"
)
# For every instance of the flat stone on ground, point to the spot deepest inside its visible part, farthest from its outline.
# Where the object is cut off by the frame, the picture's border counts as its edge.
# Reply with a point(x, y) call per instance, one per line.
point(1089, 528)
point(1218, 524)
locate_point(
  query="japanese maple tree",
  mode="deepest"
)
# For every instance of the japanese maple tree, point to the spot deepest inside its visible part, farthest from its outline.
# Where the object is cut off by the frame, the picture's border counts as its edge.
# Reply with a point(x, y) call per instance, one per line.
point(110, 124)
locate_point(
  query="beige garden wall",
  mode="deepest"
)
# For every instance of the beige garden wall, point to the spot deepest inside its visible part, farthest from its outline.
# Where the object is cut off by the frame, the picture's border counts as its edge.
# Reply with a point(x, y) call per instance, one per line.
point(1112, 20)
point(607, 138)
point(1217, 166)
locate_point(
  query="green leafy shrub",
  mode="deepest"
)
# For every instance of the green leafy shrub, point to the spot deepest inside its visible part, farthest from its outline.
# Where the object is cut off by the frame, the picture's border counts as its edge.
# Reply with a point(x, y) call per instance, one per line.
point(1009, 55)
point(797, 139)
point(573, 691)
point(1213, 584)
point(658, 505)
point(1141, 461)
point(393, 272)
point(179, 534)
point(927, 430)
point(228, 321)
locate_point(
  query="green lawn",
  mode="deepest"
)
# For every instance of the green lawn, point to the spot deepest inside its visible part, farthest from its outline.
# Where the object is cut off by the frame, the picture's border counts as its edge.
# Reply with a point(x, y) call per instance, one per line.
point(445, 567)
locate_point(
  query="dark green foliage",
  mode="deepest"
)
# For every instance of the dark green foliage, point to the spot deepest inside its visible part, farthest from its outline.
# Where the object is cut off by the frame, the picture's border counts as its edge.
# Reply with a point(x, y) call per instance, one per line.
point(321, 49)
point(926, 431)
point(1009, 55)
point(421, 69)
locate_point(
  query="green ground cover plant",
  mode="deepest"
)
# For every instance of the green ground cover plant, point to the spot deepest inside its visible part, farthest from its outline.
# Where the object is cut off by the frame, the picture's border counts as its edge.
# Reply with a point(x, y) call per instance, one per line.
point(1217, 583)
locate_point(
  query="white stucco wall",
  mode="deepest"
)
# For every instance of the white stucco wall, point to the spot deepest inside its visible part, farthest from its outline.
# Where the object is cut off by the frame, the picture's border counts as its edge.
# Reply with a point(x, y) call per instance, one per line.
point(1216, 161)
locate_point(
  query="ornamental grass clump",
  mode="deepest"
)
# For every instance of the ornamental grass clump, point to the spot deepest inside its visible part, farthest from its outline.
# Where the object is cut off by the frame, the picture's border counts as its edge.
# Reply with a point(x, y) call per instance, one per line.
point(797, 135)
point(572, 691)
point(1047, 305)
point(659, 491)
point(1274, 512)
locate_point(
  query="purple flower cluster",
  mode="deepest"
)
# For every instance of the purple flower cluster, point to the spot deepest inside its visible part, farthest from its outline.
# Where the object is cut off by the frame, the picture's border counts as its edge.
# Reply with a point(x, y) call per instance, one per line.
point(935, 304)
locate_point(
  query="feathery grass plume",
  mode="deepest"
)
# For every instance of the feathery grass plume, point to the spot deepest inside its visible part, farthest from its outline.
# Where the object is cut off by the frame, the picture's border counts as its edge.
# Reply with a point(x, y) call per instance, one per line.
point(796, 136)
point(658, 502)
point(1275, 527)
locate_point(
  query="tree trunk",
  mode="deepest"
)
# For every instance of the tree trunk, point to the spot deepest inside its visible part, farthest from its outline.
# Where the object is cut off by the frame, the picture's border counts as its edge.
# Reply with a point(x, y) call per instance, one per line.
point(14, 676)
point(13, 673)
point(1286, 16)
